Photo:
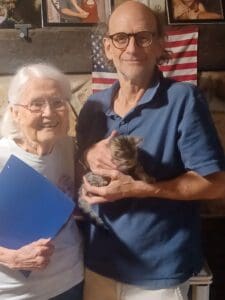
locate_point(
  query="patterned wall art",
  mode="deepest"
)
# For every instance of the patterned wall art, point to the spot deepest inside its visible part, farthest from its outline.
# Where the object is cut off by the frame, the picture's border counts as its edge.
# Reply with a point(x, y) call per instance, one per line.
point(18, 12)
point(156, 5)
point(195, 11)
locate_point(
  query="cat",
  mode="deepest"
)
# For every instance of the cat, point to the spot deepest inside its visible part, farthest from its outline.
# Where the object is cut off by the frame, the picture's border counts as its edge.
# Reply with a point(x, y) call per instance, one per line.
point(124, 151)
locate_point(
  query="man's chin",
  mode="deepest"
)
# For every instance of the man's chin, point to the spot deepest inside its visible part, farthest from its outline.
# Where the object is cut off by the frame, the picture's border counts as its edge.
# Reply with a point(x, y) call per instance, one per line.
point(133, 76)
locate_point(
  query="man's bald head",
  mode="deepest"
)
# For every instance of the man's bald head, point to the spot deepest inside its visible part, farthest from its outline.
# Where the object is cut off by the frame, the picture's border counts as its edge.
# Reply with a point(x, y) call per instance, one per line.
point(137, 8)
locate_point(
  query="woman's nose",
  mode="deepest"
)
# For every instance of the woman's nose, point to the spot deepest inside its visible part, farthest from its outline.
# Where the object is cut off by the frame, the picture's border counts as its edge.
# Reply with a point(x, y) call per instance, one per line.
point(47, 108)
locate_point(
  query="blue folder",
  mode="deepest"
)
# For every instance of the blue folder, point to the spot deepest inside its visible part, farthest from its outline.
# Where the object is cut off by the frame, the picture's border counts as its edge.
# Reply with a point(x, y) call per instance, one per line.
point(31, 207)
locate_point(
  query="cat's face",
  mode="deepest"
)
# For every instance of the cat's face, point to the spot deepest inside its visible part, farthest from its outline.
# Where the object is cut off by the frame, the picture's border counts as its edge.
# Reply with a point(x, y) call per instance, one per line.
point(124, 150)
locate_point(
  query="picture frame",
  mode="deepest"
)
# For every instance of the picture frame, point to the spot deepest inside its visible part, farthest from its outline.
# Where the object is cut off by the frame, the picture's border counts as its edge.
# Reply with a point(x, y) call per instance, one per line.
point(156, 5)
point(75, 12)
point(195, 11)
point(14, 12)
point(8, 17)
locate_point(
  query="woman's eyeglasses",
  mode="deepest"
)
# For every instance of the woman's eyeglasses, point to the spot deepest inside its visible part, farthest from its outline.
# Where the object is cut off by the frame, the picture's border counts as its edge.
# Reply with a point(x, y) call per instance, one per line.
point(142, 39)
point(38, 105)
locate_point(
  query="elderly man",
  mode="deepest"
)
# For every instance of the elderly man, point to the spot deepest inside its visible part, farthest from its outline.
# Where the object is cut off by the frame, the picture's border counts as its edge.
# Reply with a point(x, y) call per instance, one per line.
point(152, 246)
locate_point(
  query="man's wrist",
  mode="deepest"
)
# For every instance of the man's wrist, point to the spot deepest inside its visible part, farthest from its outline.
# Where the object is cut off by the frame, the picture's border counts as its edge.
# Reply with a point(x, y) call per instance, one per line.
point(144, 189)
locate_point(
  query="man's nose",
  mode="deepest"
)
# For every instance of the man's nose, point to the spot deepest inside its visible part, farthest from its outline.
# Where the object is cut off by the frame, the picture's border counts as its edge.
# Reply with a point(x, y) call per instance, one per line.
point(132, 45)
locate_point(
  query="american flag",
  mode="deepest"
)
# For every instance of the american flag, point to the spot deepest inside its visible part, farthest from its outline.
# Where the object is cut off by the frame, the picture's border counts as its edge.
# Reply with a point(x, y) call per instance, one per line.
point(182, 43)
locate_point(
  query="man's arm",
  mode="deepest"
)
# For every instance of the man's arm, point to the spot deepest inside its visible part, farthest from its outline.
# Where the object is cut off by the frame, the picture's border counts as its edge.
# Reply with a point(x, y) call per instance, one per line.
point(188, 186)
point(191, 186)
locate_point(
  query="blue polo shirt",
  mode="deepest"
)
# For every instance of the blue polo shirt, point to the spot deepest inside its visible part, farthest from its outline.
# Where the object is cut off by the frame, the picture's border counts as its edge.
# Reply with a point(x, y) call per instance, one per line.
point(154, 243)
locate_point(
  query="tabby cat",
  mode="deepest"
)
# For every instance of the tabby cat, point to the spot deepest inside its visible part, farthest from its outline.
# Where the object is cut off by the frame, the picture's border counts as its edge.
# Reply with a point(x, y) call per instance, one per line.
point(124, 151)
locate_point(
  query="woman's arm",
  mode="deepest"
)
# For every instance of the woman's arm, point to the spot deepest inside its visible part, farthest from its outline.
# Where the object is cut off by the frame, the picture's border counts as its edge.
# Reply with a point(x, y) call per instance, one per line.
point(71, 13)
point(201, 7)
point(78, 8)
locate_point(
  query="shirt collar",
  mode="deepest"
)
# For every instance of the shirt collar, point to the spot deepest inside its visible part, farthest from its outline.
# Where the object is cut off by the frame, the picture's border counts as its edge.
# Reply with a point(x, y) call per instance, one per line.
point(147, 97)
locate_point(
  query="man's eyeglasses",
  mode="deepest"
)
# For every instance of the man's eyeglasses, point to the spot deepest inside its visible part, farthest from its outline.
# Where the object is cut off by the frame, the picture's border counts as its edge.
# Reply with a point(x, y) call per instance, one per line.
point(38, 105)
point(142, 39)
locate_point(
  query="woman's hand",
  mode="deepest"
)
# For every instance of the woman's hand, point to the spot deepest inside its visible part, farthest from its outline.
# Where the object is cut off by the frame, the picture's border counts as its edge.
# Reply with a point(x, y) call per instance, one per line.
point(99, 156)
point(34, 256)
point(83, 14)
point(180, 9)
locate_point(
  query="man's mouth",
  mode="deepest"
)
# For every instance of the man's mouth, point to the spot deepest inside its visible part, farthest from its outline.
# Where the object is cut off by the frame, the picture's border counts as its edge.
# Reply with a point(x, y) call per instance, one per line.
point(133, 60)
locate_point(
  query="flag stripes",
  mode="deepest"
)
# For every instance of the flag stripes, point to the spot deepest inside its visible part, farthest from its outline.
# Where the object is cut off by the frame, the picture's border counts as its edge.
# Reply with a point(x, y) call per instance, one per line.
point(182, 45)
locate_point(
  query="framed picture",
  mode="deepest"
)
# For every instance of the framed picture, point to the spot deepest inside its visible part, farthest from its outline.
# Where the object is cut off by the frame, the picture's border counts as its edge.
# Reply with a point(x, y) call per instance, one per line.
point(14, 12)
point(195, 11)
point(75, 12)
point(156, 5)
point(8, 14)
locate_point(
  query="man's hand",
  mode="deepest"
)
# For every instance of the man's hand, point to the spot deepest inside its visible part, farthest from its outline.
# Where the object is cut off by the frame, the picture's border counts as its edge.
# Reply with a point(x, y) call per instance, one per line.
point(121, 186)
point(34, 256)
point(99, 156)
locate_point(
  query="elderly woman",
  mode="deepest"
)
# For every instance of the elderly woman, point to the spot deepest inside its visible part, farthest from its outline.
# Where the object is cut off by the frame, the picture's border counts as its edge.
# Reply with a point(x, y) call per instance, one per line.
point(34, 128)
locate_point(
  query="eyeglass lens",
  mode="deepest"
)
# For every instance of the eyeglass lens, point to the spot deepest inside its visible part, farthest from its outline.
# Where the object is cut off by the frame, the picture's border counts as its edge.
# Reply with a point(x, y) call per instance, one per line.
point(54, 103)
point(142, 39)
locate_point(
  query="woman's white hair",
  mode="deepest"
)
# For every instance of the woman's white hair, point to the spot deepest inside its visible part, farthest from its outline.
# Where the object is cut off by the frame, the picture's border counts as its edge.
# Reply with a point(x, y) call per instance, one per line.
point(20, 81)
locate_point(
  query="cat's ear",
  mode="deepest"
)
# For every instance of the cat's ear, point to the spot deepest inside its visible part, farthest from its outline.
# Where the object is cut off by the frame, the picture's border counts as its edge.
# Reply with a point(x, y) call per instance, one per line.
point(137, 140)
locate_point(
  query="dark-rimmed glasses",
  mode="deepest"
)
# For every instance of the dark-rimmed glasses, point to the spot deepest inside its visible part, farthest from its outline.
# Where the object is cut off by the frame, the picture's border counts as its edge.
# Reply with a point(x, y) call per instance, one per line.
point(38, 105)
point(142, 39)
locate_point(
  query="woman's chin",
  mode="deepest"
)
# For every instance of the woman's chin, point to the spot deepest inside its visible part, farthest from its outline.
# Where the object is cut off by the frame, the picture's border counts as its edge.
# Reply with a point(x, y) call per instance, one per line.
point(49, 136)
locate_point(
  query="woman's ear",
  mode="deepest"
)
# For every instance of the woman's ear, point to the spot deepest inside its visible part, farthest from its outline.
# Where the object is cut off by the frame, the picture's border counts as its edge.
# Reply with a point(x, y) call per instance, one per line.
point(15, 113)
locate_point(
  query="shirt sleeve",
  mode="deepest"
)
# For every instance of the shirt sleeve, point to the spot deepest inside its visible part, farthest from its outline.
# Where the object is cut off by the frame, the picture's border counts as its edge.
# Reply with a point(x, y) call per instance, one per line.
point(199, 145)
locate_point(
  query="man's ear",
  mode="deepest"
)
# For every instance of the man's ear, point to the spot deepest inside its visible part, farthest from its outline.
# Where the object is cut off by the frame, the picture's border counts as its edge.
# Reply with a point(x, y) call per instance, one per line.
point(107, 48)
point(161, 45)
